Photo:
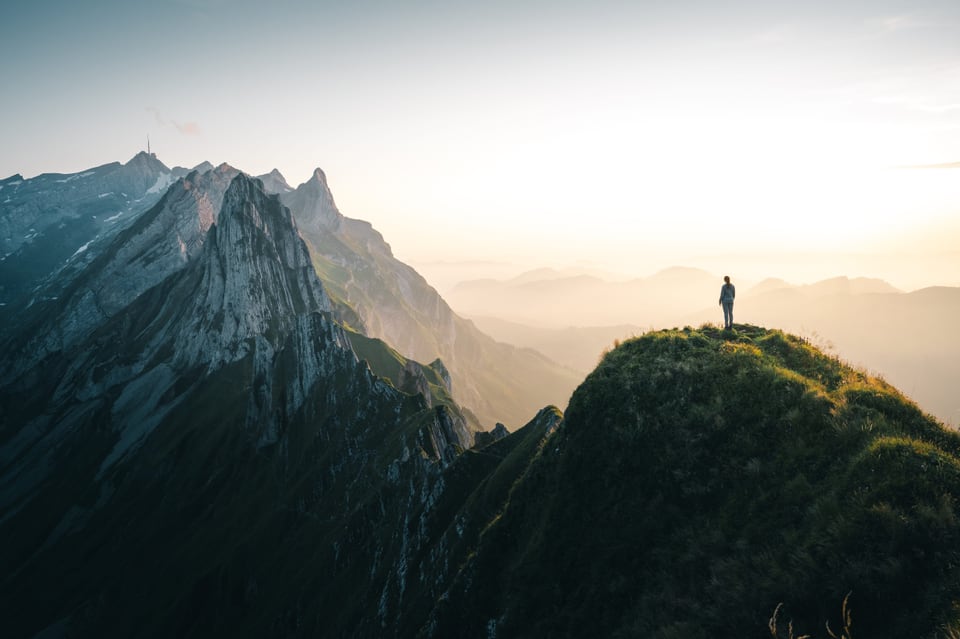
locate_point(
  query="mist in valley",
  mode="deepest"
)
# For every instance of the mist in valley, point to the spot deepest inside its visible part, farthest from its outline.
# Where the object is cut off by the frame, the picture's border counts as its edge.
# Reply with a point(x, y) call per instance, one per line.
point(906, 336)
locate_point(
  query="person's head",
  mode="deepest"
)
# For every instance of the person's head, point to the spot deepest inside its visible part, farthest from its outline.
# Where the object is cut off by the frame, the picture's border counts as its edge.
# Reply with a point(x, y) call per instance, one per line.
point(726, 278)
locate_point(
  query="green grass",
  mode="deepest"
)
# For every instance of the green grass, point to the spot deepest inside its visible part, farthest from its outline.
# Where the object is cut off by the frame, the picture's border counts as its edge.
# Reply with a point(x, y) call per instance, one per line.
point(702, 477)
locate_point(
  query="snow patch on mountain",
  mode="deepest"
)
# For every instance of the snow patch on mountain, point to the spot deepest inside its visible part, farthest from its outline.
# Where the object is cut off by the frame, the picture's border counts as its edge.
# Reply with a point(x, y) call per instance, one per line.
point(83, 248)
point(163, 181)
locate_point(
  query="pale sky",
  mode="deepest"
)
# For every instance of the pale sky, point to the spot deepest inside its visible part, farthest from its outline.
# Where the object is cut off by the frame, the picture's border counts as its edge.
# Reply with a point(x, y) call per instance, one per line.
point(627, 136)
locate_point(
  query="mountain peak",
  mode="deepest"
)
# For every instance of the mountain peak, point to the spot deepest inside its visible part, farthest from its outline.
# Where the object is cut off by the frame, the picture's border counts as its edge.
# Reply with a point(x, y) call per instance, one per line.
point(274, 182)
point(147, 161)
point(318, 176)
point(256, 276)
point(314, 199)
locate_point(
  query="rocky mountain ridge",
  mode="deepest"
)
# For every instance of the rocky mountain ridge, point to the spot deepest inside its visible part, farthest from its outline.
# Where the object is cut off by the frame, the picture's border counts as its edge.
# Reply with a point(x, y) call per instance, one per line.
point(217, 450)
point(52, 218)
point(388, 299)
point(232, 357)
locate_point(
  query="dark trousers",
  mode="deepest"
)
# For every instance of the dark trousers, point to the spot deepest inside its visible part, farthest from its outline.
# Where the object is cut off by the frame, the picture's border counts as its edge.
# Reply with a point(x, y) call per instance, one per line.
point(727, 313)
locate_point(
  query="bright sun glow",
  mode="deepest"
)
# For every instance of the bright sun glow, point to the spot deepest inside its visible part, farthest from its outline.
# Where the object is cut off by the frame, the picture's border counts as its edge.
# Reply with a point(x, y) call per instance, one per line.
point(630, 136)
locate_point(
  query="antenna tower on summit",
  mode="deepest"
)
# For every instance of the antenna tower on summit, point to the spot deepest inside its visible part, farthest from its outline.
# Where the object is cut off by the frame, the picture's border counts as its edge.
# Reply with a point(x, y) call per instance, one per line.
point(148, 146)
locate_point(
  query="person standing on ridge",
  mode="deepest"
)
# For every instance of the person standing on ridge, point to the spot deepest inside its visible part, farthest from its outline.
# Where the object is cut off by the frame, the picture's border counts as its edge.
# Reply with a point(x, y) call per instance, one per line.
point(727, 292)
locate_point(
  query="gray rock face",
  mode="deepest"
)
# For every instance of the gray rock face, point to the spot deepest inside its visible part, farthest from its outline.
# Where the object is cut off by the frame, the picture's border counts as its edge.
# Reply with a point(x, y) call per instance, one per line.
point(257, 278)
point(240, 288)
point(54, 225)
point(189, 413)
point(500, 431)
point(214, 275)
point(444, 374)
point(161, 242)
point(274, 182)
point(313, 204)
point(47, 199)
point(391, 301)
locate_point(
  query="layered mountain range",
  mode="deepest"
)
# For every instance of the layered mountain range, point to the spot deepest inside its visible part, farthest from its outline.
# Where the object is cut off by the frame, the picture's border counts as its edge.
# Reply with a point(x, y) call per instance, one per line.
point(905, 336)
point(373, 292)
point(385, 298)
point(218, 419)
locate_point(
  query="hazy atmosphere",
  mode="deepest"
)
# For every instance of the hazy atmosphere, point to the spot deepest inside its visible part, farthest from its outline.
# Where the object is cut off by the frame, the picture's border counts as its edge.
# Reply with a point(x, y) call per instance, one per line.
point(480, 319)
point(757, 138)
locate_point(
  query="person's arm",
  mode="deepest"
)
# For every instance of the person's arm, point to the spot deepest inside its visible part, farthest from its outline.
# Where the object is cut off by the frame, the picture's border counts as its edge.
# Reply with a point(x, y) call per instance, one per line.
point(733, 291)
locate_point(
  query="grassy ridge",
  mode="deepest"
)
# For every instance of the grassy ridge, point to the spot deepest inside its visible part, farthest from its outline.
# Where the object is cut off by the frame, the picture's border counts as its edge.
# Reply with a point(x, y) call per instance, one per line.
point(701, 478)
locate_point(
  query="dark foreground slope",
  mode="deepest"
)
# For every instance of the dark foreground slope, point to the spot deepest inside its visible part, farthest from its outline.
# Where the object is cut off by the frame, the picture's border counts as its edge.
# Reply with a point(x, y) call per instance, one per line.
point(701, 478)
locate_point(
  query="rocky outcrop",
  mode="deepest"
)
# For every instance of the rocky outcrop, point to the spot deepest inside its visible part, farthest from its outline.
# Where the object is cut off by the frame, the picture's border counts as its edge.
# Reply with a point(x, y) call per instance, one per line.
point(482, 439)
point(29, 207)
point(274, 182)
point(162, 241)
point(391, 301)
point(224, 393)
point(207, 454)
point(256, 278)
point(312, 203)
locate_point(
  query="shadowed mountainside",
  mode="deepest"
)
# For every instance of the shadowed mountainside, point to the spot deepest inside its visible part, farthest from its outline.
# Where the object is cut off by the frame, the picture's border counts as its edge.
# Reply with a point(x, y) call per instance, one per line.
point(212, 454)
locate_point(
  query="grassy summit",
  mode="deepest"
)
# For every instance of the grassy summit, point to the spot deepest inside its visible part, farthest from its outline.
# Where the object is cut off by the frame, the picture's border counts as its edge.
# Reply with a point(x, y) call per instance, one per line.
point(703, 477)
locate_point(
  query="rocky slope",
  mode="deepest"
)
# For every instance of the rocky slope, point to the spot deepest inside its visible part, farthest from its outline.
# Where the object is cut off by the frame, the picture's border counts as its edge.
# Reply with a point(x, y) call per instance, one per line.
point(159, 243)
point(193, 443)
point(51, 219)
point(388, 299)
point(214, 434)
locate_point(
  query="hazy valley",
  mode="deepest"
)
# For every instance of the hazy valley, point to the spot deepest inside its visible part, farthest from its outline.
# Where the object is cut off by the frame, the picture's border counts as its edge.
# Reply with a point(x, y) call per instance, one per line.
point(907, 337)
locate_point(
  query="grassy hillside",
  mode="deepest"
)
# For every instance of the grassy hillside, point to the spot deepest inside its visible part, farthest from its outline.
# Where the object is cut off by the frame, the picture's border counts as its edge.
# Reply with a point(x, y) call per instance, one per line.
point(700, 479)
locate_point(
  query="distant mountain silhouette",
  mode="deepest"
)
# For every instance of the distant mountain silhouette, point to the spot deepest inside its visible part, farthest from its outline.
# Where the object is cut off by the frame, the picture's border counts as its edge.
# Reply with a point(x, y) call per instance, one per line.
point(579, 347)
point(542, 299)
point(385, 298)
point(944, 165)
point(907, 337)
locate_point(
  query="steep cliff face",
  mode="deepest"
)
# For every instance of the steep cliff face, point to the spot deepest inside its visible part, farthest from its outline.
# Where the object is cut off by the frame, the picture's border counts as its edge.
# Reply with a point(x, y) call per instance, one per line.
point(215, 435)
point(392, 301)
point(212, 453)
point(161, 242)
